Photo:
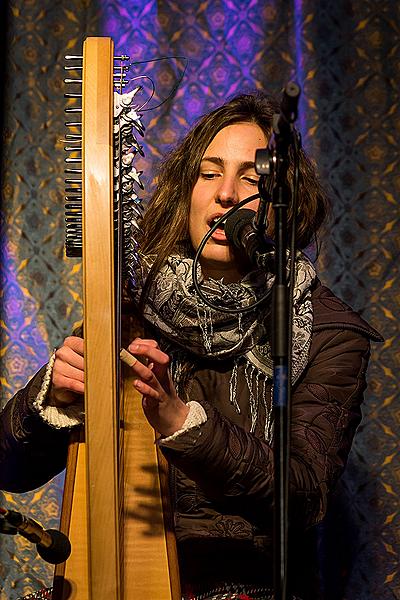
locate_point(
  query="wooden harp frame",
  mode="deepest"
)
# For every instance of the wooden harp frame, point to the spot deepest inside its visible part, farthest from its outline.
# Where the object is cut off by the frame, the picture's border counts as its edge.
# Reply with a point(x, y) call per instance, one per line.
point(123, 546)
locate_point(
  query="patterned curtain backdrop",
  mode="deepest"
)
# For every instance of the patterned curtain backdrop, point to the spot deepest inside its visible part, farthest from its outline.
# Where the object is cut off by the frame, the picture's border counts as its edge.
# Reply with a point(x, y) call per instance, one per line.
point(345, 55)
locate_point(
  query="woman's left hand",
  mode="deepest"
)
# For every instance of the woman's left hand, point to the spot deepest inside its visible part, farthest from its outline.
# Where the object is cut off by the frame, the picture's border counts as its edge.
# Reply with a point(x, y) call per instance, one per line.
point(164, 410)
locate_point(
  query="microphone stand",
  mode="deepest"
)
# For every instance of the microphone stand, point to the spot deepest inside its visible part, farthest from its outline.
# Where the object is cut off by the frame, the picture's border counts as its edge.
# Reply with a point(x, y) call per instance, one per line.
point(281, 313)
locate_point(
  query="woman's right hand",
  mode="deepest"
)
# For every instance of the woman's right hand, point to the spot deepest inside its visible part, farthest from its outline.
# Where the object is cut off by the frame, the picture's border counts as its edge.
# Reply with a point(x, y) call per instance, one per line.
point(67, 382)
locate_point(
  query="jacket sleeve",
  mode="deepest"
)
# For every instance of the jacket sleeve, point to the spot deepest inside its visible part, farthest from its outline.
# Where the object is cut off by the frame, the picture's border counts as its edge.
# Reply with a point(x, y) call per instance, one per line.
point(233, 465)
point(31, 451)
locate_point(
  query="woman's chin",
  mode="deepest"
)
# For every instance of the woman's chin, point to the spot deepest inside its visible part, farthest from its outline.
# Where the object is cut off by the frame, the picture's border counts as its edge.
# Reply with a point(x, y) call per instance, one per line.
point(221, 266)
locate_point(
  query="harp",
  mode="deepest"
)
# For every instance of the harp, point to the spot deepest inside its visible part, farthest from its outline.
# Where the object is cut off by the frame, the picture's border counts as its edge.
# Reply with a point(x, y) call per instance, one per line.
point(115, 507)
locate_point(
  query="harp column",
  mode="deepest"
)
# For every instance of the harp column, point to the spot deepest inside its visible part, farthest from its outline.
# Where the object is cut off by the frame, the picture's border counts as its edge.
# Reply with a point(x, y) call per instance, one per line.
point(104, 510)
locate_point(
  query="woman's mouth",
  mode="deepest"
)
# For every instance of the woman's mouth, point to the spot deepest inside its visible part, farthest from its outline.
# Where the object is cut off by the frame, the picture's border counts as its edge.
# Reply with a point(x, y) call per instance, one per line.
point(219, 234)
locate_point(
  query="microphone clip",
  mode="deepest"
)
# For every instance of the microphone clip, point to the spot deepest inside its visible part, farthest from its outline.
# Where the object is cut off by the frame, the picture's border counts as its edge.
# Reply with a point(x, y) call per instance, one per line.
point(264, 166)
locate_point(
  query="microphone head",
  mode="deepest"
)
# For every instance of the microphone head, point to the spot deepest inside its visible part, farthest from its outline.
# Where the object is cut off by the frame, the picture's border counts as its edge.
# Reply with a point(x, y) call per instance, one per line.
point(59, 550)
point(235, 223)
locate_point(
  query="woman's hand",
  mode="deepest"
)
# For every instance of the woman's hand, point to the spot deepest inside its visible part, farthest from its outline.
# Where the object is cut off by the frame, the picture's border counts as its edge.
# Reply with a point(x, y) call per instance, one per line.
point(164, 410)
point(67, 383)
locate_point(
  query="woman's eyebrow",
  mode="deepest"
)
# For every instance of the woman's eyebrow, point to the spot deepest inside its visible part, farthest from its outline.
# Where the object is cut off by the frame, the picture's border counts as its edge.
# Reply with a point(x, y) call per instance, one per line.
point(213, 159)
point(217, 160)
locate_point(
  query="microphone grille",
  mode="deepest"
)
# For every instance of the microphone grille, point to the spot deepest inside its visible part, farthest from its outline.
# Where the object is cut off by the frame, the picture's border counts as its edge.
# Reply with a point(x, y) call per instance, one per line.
point(60, 549)
point(235, 223)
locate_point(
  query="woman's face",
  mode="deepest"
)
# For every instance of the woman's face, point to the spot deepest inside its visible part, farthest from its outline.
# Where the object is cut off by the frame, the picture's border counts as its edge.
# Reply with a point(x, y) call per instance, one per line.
point(227, 175)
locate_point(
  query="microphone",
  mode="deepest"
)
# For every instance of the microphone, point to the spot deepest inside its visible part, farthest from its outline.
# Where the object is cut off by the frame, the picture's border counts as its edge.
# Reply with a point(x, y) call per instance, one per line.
point(52, 545)
point(241, 232)
point(282, 121)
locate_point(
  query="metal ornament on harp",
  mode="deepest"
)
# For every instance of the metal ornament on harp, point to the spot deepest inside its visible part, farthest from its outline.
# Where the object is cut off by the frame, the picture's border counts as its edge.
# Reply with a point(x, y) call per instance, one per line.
point(127, 124)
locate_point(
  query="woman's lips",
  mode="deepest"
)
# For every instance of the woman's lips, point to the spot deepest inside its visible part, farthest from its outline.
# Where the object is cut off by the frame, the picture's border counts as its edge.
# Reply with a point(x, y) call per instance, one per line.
point(219, 235)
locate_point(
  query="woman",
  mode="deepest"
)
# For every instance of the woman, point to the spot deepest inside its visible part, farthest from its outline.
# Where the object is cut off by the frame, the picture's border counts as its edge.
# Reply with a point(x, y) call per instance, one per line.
point(206, 383)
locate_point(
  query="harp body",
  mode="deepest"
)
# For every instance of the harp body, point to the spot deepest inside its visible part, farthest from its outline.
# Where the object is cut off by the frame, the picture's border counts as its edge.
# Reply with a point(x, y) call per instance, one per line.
point(115, 507)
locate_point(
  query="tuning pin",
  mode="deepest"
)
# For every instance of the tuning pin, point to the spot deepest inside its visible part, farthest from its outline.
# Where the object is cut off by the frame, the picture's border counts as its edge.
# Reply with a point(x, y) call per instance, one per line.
point(73, 148)
point(73, 206)
point(71, 190)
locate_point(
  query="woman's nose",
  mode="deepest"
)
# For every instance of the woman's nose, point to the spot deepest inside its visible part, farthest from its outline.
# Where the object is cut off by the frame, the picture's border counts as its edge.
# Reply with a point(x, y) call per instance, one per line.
point(227, 194)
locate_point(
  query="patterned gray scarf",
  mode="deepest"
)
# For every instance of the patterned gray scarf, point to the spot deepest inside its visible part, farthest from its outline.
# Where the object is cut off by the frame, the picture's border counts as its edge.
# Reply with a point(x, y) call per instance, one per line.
point(175, 309)
point(191, 328)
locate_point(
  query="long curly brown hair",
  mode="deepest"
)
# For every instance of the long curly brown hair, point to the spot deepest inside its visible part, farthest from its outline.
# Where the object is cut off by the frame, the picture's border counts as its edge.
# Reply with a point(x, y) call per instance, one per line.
point(165, 225)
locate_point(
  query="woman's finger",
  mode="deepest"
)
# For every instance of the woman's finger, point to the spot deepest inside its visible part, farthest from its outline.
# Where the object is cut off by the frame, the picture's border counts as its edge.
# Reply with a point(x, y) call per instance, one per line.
point(69, 356)
point(144, 341)
point(66, 384)
point(76, 344)
point(146, 377)
point(148, 391)
point(63, 369)
point(152, 353)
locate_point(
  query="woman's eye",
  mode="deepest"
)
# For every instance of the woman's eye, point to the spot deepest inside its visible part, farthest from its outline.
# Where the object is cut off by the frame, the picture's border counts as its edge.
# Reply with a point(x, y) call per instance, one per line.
point(208, 175)
point(251, 180)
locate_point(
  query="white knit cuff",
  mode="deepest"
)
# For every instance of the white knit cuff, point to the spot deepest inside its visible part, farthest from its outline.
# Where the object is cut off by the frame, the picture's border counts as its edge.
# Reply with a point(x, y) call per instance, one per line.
point(55, 416)
point(196, 416)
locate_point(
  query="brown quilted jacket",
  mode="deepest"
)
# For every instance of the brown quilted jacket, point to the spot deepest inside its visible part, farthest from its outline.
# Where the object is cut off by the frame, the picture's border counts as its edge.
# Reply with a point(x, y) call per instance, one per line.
point(222, 475)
